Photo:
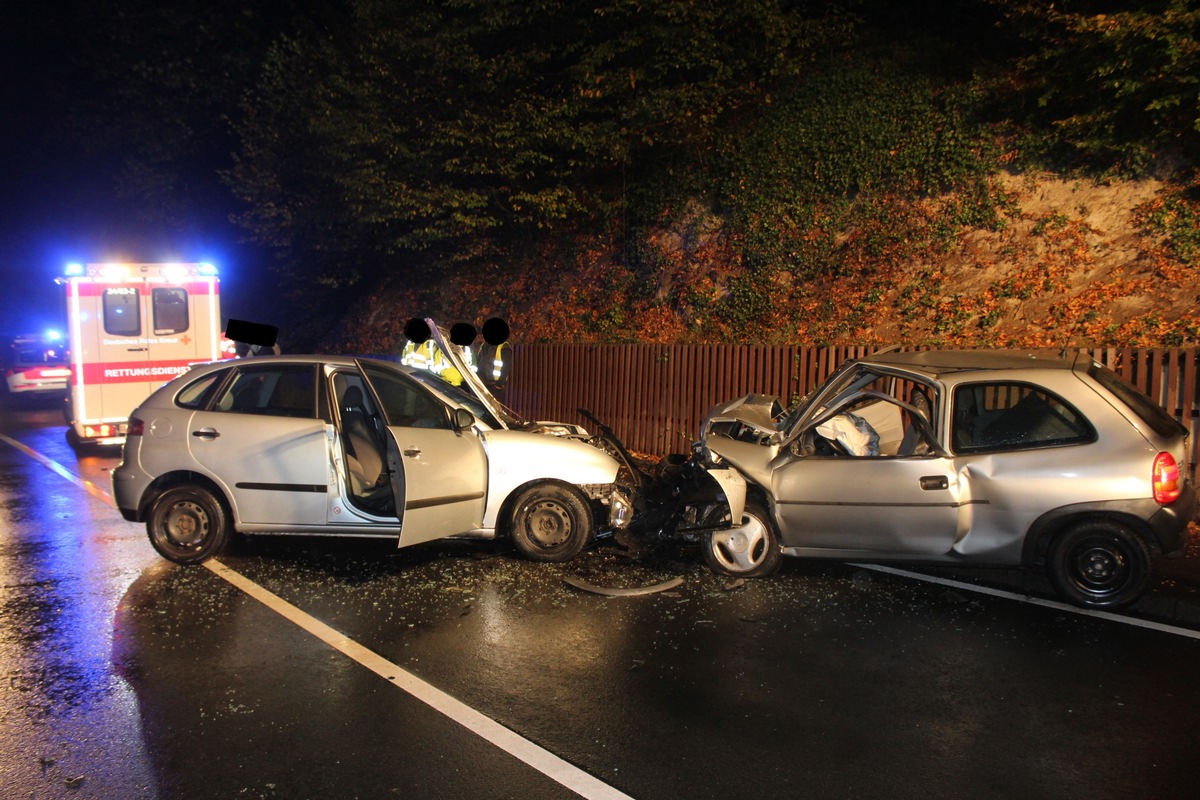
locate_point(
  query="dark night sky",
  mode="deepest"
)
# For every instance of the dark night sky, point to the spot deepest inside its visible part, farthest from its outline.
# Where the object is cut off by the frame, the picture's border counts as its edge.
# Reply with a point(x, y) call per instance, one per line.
point(56, 199)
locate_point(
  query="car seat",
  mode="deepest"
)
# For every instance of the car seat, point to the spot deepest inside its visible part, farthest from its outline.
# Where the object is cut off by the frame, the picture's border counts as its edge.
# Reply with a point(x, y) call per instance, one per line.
point(364, 450)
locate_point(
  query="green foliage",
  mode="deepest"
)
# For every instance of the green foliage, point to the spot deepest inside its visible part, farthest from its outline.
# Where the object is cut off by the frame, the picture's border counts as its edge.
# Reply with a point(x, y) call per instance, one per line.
point(853, 128)
point(750, 303)
point(439, 130)
point(1112, 83)
point(1176, 218)
point(831, 143)
point(838, 161)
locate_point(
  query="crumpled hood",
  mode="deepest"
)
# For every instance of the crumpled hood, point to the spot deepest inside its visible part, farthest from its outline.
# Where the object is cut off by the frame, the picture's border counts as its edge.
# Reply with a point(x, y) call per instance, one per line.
point(759, 411)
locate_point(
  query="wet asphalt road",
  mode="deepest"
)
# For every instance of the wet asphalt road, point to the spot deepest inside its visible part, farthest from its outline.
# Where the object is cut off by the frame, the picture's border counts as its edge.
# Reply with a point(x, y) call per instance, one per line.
point(127, 677)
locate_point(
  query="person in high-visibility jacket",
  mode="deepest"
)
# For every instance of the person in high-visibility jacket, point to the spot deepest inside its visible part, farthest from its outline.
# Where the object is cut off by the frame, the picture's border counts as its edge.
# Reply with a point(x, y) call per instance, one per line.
point(444, 368)
point(495, 357)
point(418, 355)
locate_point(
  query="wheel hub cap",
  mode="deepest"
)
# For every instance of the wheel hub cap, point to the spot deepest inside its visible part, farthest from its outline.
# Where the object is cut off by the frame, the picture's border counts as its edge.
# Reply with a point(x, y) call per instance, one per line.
point(743, 548)
point(549, 525)
point(186, 525)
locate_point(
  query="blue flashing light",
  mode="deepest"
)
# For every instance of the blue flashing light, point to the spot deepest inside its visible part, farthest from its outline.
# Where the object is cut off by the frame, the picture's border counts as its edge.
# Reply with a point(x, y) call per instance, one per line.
point(206, 269)
point(53, 335)
point(73, 270)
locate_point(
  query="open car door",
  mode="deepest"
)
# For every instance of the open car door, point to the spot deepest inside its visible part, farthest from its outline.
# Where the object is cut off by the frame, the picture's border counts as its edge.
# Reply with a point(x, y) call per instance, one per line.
point(435, 459)
point(845, 494)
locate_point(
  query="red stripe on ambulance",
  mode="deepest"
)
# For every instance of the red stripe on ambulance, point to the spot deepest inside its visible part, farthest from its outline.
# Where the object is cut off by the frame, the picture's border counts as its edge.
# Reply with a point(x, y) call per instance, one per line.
point(131, 371)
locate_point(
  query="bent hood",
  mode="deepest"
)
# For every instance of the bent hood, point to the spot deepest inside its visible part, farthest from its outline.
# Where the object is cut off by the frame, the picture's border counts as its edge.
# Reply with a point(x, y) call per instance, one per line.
point(757, 411)
point(459, 370)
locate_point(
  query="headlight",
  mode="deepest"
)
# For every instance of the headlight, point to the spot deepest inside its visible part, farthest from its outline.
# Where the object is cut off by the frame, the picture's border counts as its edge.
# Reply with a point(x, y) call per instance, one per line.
point(620, 510)
point(705, 457)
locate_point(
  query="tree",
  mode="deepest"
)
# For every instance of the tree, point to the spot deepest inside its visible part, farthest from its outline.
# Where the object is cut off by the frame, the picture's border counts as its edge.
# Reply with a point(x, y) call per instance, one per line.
point(425, 132)
point(1115, 81)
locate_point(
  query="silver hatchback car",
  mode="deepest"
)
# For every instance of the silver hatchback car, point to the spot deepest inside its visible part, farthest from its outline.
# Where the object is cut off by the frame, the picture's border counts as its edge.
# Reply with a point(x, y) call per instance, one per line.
point(353, 447)
point(959, 457)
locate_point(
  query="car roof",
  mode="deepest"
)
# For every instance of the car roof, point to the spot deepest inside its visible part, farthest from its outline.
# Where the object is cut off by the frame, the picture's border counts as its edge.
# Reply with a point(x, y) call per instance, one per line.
point(339, 361)
point(936, 363)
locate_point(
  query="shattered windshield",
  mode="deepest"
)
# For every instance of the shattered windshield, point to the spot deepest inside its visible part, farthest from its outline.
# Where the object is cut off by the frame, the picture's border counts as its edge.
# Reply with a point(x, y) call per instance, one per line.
point(839, 384)
point(872, 404)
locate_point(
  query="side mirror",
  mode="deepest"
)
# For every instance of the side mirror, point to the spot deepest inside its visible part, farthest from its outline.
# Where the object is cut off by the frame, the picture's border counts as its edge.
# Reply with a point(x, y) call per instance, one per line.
point(463, 419)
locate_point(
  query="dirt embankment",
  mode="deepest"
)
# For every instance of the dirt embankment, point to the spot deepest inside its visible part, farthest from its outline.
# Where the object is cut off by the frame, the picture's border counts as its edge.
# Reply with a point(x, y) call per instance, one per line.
point(1071, 262)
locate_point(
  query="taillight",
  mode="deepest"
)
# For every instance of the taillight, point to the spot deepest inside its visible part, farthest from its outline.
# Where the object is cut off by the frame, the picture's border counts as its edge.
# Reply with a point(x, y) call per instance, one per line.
point(1166, 479)
point(137, 428)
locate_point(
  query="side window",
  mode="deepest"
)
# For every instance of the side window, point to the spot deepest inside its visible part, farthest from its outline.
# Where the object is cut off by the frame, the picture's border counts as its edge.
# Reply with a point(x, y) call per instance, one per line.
point(877, 416)
point(170, 310)
point(285, 391)
point(194, 394)
point(121, 317)
point(405, 404)
point(991, 417)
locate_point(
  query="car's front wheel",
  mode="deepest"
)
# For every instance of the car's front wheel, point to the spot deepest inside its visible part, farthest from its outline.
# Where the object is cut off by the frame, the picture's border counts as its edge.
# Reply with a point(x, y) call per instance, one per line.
point(748, 550)
point(1099, 564)
point(550, 523)
point(188, 525)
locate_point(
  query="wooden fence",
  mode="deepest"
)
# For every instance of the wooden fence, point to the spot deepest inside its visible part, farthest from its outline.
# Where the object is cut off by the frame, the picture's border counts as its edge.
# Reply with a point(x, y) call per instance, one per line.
point(655, 396)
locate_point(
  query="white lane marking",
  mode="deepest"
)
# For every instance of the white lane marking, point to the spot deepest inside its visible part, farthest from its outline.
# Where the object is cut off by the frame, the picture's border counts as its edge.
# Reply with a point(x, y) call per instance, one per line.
point(539, 758)
point(545, 762)
point(54, 466)
point(1037, 601)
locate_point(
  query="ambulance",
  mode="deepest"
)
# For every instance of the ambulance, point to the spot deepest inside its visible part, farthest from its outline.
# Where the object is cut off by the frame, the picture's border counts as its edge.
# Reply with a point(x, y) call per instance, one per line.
point(132, 328)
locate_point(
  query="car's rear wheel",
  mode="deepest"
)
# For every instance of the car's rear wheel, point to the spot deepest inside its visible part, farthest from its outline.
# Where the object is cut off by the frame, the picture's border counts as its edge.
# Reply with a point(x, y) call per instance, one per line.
point(550, 523)
point(188, 525)
point(1099, 564)
point(748, 550)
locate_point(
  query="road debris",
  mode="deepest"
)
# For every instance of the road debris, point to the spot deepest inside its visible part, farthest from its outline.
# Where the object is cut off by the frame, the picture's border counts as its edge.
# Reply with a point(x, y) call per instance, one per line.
point(629, 592)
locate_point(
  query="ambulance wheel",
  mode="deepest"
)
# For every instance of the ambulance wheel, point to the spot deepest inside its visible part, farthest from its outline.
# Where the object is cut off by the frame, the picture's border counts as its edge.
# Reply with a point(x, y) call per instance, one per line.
point(188, 525)
point(550, 522)
point(80, 445)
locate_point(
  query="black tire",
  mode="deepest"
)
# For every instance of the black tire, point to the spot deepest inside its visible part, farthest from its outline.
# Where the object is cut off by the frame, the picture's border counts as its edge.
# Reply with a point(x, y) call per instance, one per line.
point(188, 525)
point(749, 550)
point(1099, 564)
point(550, 523)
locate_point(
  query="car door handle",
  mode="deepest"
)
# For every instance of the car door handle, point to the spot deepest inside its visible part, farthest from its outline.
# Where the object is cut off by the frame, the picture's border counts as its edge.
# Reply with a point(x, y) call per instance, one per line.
point(933, 482)
point(136, 349)
point(412, 452)
point(205, 433)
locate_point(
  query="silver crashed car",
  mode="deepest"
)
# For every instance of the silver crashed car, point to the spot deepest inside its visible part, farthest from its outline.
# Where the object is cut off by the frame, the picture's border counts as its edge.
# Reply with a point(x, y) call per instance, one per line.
point(958, 457)
point(335, 446)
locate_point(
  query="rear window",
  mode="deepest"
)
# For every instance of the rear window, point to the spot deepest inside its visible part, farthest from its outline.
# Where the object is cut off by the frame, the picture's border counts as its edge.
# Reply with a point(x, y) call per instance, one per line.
point(26, 353)
point(170, 306)
point(121, 317)
point(1146, 409)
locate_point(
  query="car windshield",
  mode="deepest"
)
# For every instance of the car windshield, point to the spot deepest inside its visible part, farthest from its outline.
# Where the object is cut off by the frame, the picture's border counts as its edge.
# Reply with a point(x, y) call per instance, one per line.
point(844, 381)
point(458, 396)
point(455, 366)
